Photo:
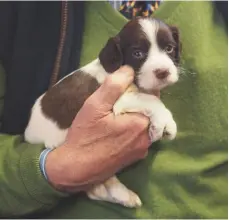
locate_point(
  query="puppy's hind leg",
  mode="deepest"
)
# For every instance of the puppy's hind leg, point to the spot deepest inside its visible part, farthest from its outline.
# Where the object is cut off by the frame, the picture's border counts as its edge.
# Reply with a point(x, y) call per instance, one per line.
point(115, 192)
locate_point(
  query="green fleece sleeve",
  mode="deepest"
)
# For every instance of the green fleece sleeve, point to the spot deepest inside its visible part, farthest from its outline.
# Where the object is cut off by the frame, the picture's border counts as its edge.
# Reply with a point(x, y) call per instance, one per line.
point(23, 189)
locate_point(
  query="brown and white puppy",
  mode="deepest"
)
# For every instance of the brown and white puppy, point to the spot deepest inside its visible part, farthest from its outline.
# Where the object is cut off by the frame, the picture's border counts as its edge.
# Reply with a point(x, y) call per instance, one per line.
point(148, 45)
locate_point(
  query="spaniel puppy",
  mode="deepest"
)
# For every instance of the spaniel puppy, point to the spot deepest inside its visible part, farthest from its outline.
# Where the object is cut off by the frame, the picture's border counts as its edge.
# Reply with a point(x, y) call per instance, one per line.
point(152, 49)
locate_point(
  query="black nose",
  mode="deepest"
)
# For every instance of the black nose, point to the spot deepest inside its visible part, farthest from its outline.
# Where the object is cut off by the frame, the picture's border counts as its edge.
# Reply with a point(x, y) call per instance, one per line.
point(161, 73)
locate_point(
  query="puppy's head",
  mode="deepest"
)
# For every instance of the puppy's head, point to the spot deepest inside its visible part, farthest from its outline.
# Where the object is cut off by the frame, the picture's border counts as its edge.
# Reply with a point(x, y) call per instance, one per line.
point(150, 47)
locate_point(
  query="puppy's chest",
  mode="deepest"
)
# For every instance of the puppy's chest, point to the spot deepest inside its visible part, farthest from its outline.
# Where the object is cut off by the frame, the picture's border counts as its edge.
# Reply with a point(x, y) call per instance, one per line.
point(62, 102)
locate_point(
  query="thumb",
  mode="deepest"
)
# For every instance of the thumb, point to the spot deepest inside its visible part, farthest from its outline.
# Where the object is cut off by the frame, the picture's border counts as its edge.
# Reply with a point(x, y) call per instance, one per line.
point(112, 88)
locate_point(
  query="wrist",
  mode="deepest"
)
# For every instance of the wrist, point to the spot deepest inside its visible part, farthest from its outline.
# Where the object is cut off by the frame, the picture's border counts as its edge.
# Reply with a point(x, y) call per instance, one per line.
point(68, 169)
point(60, 167)
point(53, 170)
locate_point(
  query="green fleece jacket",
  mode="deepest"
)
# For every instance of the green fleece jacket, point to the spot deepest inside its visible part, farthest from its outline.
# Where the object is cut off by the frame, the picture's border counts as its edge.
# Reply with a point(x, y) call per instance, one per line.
point(185, 178)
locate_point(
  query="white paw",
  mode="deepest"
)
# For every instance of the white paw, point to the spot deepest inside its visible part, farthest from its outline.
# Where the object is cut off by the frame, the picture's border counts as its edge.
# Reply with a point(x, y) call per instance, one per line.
point(118, 194)
point(156, 129)
point(125, 197)
point(162, 125)
point(170, 130)
point(98, 192)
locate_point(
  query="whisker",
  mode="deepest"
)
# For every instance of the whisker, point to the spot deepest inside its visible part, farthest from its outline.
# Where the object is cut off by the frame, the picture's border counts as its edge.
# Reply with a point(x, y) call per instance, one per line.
point(185, 72)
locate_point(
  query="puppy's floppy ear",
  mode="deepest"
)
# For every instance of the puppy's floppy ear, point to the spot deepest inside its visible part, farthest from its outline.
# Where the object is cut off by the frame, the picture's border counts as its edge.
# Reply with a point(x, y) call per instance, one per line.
point(176, 36)
point(111, 56)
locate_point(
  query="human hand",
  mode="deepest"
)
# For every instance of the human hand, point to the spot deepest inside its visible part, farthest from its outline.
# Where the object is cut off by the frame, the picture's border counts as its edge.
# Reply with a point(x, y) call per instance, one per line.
point(98, 143)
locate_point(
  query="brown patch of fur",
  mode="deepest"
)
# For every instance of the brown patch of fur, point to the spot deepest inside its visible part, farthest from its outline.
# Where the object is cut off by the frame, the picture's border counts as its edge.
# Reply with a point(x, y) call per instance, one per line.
point(62, 102)
point(169, 35)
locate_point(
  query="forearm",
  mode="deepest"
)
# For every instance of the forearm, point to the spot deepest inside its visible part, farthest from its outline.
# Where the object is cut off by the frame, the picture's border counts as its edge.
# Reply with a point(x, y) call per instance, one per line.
point(23, 189)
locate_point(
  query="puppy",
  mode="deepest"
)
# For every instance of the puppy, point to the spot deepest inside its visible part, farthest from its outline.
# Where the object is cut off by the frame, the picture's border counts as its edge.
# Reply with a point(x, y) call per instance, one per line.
point(152, 49)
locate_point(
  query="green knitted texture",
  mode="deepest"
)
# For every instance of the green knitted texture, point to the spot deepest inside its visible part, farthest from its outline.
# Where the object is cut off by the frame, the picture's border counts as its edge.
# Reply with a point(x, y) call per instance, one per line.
point(22, 184)
point(184, 178)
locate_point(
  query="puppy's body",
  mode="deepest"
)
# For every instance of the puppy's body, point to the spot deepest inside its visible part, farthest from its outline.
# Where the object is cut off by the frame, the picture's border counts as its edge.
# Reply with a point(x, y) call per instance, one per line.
point(152, 49)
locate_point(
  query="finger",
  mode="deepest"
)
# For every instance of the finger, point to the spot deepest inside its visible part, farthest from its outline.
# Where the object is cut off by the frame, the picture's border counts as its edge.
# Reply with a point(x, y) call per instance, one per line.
point(130, 121)
point(112, 88)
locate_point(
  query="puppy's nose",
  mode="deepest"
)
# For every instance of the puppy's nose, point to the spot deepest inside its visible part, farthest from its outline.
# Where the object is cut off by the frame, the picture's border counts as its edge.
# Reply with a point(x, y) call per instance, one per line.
point(161, 73)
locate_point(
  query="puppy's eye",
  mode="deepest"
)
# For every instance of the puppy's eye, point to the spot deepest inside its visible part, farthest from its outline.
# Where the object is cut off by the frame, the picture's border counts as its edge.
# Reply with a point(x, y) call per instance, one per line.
point(138, 54)
point(169, 49)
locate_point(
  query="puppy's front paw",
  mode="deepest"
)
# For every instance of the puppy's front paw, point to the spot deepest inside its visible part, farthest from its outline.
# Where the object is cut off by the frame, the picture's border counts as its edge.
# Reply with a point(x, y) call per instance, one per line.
point(162, 126)
point(156, 129)
point(170, 130)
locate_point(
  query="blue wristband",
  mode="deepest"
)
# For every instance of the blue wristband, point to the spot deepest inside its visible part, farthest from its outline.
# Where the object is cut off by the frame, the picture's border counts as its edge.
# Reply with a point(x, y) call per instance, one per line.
point(42, 161)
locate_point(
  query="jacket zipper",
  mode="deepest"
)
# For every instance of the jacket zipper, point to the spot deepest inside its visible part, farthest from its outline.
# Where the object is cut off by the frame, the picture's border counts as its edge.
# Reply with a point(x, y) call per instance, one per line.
point(64, 21)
